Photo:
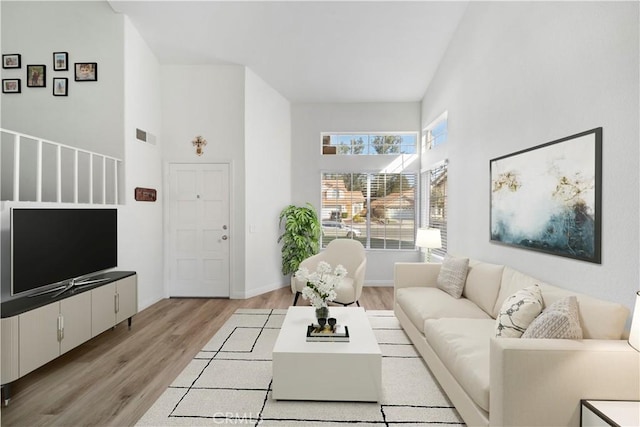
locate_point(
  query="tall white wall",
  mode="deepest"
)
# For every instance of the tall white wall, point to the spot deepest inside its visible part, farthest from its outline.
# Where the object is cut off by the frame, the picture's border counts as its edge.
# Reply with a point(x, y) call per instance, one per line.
point(140, 242)
point(95, 115)
point(310, 120)
point(268, 174)
point(208, 100)
point(90, 117)
point(99, 116)
point(519, 74)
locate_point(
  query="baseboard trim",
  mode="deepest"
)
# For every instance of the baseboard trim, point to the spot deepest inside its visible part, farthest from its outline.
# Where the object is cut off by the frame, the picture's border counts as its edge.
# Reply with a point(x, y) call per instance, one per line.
point(379, 283)
point(258, 291)
point(264, 289)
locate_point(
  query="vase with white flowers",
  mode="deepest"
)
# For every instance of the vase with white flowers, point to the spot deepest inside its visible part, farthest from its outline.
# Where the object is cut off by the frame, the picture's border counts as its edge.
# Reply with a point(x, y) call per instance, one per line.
point(321, 286)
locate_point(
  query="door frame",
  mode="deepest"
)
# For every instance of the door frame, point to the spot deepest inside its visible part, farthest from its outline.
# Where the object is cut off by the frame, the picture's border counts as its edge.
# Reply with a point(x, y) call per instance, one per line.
point(167, 221)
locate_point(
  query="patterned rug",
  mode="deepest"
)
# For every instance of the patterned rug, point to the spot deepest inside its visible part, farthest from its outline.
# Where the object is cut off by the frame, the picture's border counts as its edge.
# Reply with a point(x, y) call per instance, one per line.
point(229, 382)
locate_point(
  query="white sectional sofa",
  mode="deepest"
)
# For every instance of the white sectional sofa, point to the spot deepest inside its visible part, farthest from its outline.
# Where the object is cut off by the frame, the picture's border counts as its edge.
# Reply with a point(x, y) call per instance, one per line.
point(513, 381)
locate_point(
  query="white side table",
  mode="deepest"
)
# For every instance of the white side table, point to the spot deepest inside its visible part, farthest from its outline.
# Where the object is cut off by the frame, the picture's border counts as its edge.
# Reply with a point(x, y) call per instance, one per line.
point(616, 413)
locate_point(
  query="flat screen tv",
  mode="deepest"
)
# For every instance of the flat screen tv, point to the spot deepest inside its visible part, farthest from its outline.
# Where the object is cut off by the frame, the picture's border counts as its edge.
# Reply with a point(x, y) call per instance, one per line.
point(55, 246)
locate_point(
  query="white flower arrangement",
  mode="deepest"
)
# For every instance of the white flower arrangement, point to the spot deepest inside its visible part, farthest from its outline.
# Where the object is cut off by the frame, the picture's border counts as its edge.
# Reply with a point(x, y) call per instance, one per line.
point(321, 283)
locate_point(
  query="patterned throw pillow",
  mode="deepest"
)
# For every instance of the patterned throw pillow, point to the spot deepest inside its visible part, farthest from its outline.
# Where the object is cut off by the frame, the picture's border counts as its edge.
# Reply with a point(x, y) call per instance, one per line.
point(518, 311)
point(453, 275)
point(559, 320)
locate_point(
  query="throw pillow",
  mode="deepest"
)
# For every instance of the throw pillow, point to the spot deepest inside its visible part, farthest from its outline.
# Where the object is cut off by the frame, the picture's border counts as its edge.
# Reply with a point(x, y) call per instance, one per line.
point(518, 311)
point(559, 320)
point(453, 275)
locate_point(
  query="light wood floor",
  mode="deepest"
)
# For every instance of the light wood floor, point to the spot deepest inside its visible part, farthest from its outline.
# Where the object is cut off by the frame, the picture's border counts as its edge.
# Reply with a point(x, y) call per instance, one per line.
point(113, 379)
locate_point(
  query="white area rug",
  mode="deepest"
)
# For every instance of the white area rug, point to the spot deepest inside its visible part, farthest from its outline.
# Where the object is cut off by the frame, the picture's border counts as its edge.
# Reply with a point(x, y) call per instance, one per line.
point(229, 382)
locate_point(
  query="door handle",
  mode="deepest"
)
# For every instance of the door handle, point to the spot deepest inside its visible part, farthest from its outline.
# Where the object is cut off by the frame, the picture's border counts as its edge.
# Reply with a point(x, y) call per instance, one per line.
point(224, 237)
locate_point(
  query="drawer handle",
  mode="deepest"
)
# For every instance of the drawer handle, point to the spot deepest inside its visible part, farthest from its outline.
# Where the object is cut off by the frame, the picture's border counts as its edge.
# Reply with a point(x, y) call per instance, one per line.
point(60, 327)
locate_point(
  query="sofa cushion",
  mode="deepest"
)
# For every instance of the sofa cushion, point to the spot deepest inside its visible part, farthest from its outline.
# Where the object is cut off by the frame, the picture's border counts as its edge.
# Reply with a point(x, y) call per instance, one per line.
point(512, 281)
point(420, 303)
point(600, 320)
point(453, 275)
point(483, 284)
point(559, 320)
point(518, 311)
point(463, 347)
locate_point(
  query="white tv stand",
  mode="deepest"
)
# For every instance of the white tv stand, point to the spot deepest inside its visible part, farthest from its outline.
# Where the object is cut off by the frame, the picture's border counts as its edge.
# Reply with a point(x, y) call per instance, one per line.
point(38, 329)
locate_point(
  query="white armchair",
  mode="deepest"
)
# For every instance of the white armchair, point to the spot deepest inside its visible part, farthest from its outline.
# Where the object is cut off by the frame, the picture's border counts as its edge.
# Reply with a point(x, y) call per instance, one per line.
point(351, 254)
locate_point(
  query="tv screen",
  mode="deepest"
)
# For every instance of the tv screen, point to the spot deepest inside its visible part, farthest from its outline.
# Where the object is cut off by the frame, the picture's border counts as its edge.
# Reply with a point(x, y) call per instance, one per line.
point(50, 246)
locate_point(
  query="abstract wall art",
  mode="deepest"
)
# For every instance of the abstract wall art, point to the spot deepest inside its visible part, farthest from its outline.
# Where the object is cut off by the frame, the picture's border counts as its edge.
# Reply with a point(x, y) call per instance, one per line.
point(548, 198)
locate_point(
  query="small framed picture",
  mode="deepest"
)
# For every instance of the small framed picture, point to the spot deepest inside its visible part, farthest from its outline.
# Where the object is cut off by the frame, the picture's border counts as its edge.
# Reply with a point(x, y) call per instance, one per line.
point(10, 85)
point(86, 71)
point(60, 86)
point(11, 61)
point(36, 76)
point(60, 61)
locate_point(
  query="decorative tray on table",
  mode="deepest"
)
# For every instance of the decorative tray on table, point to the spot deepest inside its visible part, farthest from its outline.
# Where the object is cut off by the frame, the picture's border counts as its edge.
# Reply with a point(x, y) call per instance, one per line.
point(327, 333)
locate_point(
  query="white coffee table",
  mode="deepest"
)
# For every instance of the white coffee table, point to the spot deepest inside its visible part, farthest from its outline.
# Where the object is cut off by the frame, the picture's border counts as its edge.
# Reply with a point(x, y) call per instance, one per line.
point(344, 371)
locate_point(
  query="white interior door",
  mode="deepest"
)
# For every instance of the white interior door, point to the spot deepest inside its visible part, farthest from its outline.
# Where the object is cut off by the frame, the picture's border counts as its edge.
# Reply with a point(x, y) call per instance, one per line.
point(199, 230)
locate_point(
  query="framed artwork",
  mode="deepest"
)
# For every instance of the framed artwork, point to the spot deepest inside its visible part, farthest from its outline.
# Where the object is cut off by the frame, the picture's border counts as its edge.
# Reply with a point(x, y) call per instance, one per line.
point(10, 85)
point(60, 61)
point(36, 75)
point(548, 198)
point(86, 71)
point(11, 61)
point(60, 85)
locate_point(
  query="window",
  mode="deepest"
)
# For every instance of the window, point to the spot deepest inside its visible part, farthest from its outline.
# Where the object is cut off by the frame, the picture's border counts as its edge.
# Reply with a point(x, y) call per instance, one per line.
point(378, 209)
point(369, 144)
point(435, 134)
point(434, 196)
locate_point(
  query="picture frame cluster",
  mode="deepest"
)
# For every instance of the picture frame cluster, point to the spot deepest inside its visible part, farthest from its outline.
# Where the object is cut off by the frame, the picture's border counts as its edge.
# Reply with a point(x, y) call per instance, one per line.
point(36, 74)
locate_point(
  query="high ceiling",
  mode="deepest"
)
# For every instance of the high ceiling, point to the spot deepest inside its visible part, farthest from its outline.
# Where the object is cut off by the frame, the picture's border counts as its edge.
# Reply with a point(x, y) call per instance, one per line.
point(309, 51)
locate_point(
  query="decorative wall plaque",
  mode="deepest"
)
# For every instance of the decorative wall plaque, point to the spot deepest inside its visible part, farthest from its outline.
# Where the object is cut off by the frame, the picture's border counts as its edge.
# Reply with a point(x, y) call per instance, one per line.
point(145, 194)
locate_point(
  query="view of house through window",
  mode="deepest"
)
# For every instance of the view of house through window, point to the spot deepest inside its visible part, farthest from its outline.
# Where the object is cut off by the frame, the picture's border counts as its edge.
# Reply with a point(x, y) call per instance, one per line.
point(434, 215)
point(435, 134)
point(369, 144)
point(378, 209)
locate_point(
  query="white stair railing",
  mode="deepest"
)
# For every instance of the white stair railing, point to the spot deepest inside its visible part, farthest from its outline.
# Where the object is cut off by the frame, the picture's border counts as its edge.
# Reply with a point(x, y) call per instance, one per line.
point(14, 141)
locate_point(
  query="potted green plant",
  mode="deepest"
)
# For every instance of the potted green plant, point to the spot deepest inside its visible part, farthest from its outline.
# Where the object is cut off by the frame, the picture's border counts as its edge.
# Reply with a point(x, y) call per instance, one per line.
point(301, 236)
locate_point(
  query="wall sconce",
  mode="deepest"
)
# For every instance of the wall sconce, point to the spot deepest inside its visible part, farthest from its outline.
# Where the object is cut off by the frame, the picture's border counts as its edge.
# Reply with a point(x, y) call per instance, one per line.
point(199, 142)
